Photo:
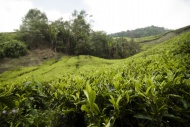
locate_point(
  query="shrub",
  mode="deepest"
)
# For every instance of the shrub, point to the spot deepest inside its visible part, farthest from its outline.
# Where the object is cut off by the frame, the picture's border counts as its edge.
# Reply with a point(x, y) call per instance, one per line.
point(12, 49)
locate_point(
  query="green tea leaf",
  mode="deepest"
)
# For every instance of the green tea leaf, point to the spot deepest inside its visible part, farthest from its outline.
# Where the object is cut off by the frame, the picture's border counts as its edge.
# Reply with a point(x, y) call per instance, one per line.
point(117, 102)
point(112, 100)
point(127, 96)
point(92, 96)
point(85, 108)
point(111, 122)
point(172, 117)
point(174, 96)
point(142, 116)
point(148, 90)
point(96, 107)
point(86, 94)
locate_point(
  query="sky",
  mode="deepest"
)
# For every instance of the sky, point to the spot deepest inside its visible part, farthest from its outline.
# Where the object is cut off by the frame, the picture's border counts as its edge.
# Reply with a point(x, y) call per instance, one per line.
point(108, 15)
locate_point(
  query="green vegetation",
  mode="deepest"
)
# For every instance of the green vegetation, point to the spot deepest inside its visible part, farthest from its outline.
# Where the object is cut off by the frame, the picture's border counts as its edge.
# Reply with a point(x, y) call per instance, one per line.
point(7, 37)
point(149, 89)
point(72, 37)
point(76, 37)
point(55, 68)
point(34, 29)
point(141, 32)
point(12, 49)
point(151, 41)
point(145, 90)
point(148, 38)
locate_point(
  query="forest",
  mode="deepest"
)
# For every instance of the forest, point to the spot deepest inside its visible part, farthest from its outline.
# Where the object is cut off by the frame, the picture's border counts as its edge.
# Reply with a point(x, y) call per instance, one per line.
point(97, 80)
point(73, 37)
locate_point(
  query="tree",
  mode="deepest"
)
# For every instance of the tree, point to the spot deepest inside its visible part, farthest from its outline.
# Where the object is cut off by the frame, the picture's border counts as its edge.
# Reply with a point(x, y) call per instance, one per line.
point(141, 32)
point(34, 28)
point(61, 36)
point(100, 44)
point(81, 32)
point(54, 30)
point(121, 48)
point(66, 34)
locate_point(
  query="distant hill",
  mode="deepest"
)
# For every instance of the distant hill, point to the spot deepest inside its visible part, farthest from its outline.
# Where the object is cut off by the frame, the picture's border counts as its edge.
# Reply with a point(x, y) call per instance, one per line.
point(141, 32)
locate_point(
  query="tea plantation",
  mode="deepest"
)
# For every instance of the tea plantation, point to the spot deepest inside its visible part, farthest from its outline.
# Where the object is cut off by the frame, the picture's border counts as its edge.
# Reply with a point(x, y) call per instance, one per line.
point(150, 89)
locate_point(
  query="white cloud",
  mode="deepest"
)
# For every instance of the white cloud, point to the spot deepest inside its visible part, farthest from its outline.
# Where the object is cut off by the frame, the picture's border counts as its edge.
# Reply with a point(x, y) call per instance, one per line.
point(11, 13)
point(118, 15)
point(55, 14)
point(109, 15)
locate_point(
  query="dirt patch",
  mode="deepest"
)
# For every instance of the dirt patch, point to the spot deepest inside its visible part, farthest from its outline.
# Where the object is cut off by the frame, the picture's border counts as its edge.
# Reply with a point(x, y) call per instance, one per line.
point(34, 57)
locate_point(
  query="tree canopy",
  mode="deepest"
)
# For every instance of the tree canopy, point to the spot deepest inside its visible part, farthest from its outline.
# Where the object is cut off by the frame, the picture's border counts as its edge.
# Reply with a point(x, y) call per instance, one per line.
point(34, 28)
point(141, 32)
point(71, 37)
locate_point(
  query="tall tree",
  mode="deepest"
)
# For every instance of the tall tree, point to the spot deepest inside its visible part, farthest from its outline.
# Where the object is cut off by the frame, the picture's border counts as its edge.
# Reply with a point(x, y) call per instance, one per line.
point(81, 32)
point(54, 31)
point(61, 36)
point(67, 38)
point(100, 44)
point(34, 28)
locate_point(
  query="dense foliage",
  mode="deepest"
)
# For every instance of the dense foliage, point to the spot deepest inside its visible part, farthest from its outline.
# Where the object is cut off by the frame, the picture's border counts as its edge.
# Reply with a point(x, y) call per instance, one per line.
point(141, 32)
point(12, 49)
point(34, 28)
point(73, 37)
point(148, 89)
point(7, 37)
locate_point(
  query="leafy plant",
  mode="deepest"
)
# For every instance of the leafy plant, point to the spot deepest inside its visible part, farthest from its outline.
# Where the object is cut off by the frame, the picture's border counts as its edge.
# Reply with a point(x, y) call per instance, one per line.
point(13, 49)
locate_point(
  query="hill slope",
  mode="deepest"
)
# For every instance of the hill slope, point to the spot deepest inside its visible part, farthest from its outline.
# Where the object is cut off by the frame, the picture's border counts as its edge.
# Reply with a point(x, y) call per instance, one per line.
point(55, 68)
point(151, 41)
point(149, 89)
point(141, 32)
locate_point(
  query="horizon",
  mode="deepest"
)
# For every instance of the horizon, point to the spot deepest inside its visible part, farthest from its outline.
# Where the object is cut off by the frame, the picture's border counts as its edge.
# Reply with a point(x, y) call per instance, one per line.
point(118, 31)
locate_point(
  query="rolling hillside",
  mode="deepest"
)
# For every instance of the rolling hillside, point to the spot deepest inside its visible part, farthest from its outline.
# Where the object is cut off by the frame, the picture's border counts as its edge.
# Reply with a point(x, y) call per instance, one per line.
point(141, 32)
point(151, 41)
point(148, 89)
point(59, 66)
point(55, 68)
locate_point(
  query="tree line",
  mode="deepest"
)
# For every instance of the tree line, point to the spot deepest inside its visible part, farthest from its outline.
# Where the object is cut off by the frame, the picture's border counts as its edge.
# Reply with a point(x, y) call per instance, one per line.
point(141, 32)
point(72, 37)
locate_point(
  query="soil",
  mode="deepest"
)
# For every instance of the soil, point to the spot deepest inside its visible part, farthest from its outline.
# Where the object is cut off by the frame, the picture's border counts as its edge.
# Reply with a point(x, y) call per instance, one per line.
point(34, 57)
